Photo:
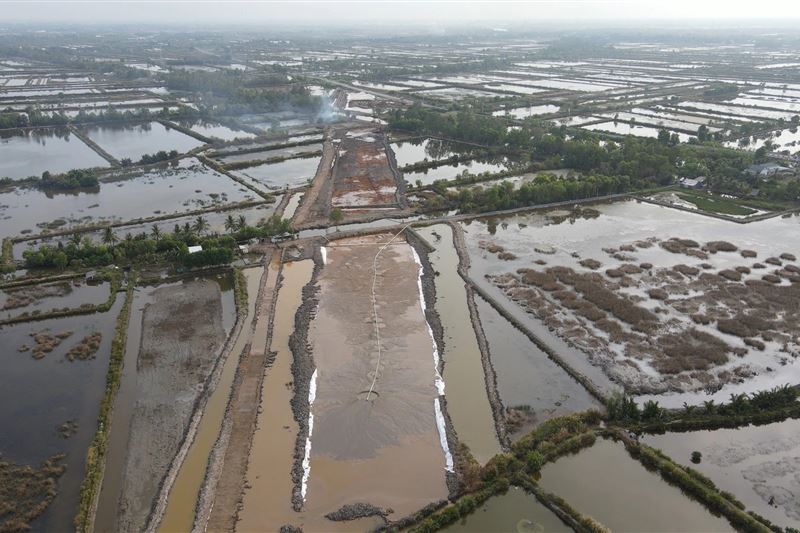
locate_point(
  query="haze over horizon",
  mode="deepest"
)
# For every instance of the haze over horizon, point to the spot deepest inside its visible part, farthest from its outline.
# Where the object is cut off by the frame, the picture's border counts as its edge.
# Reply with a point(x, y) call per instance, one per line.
point(430, 14)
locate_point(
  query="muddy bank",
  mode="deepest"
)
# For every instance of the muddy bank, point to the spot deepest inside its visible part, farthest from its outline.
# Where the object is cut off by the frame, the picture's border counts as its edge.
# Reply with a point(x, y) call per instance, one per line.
point(182, 334)
point(302, 369)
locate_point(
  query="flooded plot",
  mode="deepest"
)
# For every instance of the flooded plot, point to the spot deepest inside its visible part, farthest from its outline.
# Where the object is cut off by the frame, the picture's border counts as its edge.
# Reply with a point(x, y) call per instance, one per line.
point(531, 386)
point(650, 307)
point(604, 482)
point(451, 172)
point(525, 112)
point(133, 141)
point(289, 173)
point(375, 438)
point(625, 128)
point(267, 499)
point(515, 511)
point(292, 205)
point(627, 118)
point(771, 103)
point(363, 175)
point(290, 151)
point(788, 139)
point(425, 149)
point(50, 405)
point(44, 297)
point(467, 400)
point(456, 93)
point(517, 89)
point(216, 130)
point(183, 328)
point(736, 110)
point(214, 219)
point(29, 153)
point(757, 464)
point(184, 186)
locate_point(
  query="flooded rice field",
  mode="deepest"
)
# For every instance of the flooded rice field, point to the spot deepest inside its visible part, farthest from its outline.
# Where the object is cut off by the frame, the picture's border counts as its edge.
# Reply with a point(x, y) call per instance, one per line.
point(186, 185)
point(292, 205)
point(215, 219)
point(525, 112)
point(216, 130)
point(757, 464)
point(289, 173)
point(375, 435)
point(132, 141)
point(532, 387)
point(516, 511)
point(44, 297)
point(276, 153)
point(49, 406)
point(604, 482)
point(426, 149)
point(31, 152)
point(625, 128)
point(666, 287)
point(451, 172)
point(467, 401)
point(182, 330)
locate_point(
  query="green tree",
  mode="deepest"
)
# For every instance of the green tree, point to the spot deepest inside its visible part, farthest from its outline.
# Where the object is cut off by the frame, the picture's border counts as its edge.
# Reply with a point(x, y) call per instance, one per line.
point(200, 225)
point(108, 236)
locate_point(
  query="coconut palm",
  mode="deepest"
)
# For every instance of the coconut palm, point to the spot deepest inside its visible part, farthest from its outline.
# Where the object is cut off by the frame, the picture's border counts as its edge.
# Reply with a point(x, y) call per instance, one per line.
point(75, 239)
point(241, 223)
point(156, 232)
point(200, 225)
point(108, 237)
point(230, 224)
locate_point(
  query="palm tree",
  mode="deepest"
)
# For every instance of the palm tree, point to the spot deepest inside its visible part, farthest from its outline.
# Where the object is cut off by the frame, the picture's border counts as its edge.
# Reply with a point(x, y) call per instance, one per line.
point(710, 407)
point(156, 232)
point(241, 222)
point(108, 236)
point(230, 223)
point(200, 225)
point(75, 239)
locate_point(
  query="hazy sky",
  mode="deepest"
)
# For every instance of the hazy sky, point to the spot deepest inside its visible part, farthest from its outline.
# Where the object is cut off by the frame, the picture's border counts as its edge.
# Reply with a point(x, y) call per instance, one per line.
point(271, 12)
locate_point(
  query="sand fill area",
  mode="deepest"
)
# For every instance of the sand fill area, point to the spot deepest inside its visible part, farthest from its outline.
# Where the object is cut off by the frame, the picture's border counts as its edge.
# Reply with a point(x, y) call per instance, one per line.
point(385, 451)
point(182, 335)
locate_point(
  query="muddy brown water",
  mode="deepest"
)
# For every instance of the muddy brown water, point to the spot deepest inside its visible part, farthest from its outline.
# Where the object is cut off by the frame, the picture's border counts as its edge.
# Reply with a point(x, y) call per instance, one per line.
point(516, 511)
point(183, 495)
point(386, 450)
point(38, 396)
point(467, 401)
point(526, 376)
point(266, 504)
point(604, 482)
point(754, 463)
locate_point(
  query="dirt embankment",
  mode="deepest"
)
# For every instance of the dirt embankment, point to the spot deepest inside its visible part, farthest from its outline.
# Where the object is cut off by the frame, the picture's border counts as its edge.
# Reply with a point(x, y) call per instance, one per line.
point(182, 335)
point(302, 370)
point(432, 316)
point(221, 494)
